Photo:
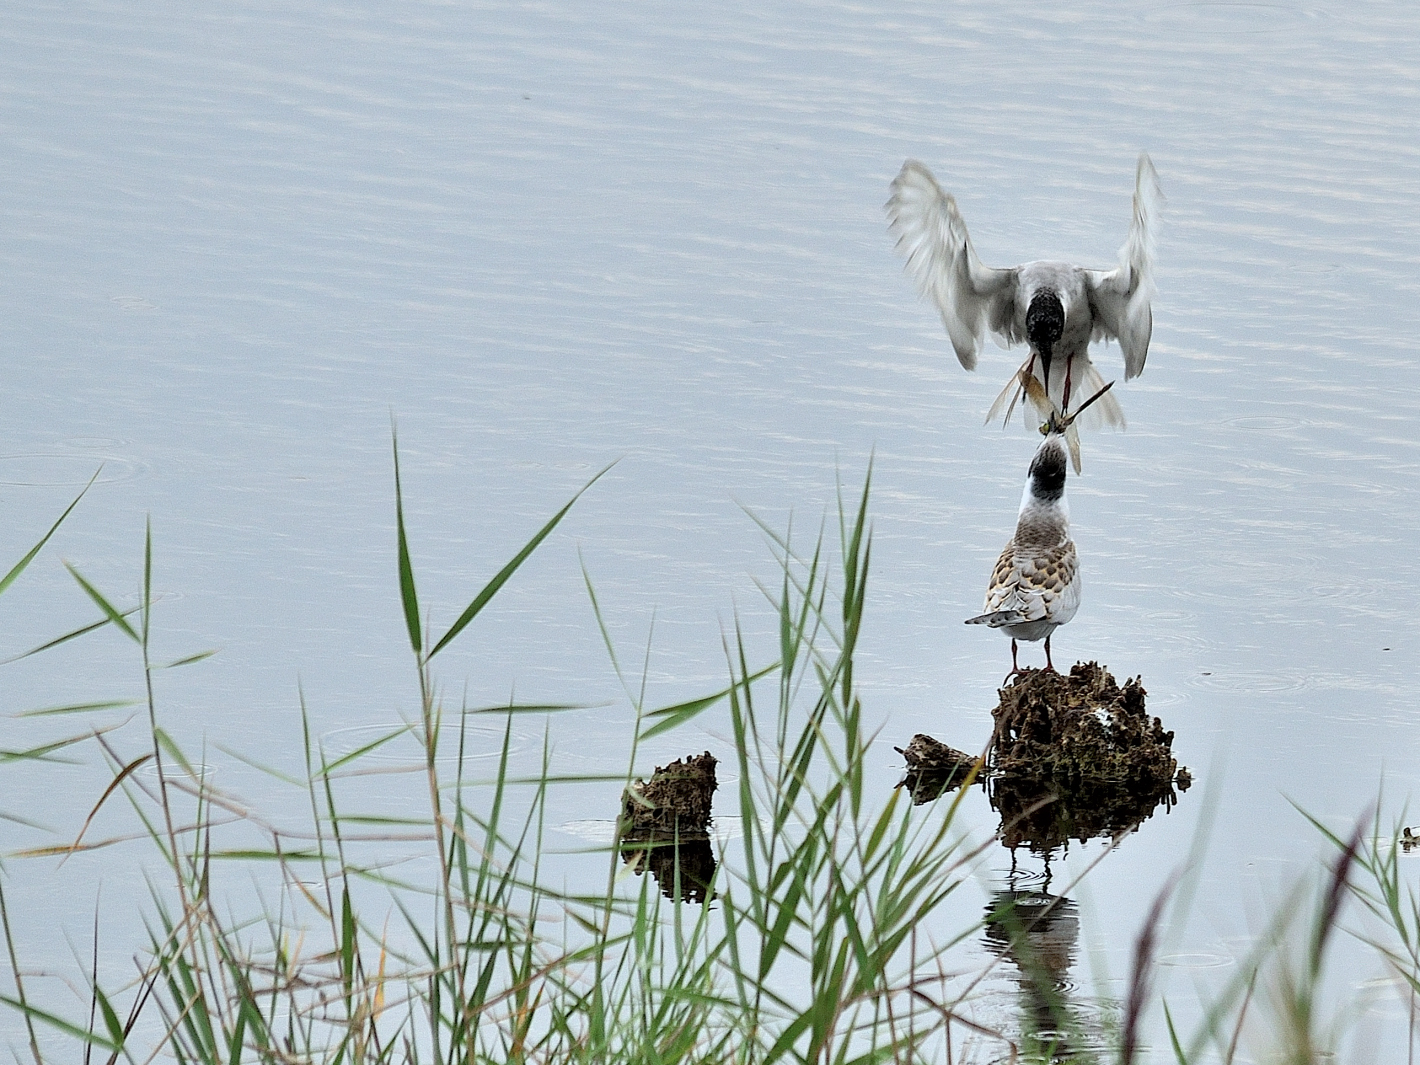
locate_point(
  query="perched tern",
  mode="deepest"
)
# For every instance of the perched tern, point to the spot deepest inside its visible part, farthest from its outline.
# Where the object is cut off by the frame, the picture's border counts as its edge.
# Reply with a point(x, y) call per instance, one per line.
point(1058, 309)
point(1035, 587)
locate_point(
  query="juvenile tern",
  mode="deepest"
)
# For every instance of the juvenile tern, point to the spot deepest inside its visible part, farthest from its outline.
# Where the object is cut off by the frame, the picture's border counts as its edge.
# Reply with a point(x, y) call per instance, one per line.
point(1035, 586)
point(1057, 308)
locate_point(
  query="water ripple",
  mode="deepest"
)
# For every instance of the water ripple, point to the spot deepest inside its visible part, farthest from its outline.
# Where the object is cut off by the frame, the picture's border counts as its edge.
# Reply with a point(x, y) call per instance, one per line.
point(41, 470)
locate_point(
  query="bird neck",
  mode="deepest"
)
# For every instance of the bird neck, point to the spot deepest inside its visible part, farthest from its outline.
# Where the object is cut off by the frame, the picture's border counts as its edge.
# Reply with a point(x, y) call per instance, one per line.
point(1042, 521)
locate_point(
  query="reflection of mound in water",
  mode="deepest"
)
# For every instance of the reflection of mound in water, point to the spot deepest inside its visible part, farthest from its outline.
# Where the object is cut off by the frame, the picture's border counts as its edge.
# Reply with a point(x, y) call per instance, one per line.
point(683, 868)
point(665, 826)
point(1045, 816)
point(1072, 757)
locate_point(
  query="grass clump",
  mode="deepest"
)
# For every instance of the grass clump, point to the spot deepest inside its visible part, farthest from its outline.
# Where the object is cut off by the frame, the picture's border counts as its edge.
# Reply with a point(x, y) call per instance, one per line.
point(808, 947)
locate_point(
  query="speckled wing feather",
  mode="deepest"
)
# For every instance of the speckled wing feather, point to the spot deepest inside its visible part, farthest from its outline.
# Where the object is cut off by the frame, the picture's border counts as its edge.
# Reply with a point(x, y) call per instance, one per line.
point(1039, 583)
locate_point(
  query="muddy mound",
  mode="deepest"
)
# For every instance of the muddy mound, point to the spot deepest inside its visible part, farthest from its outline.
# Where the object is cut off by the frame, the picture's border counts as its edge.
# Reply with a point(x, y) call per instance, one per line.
point(932, 768)
point(675, 801)
point(1078, 728)
point(1077, 756)
point(1072, 756)
point(665, 827)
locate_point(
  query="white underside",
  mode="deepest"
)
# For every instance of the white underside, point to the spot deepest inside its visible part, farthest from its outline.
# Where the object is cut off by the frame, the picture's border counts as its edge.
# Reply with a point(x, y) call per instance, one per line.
point(1030, 630)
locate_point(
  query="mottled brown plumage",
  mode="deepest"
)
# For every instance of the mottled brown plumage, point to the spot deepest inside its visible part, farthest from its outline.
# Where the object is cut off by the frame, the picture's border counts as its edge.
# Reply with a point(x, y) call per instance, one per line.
point(1035, 585)
point(1032, 578)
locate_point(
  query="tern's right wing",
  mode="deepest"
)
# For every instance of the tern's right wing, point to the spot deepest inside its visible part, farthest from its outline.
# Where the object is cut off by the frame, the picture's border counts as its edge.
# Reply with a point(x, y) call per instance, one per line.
point(932, 236)
point(1121, 297)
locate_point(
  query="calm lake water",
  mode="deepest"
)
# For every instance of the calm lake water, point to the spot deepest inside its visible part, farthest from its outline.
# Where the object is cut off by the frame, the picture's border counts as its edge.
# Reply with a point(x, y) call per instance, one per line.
point(549, 236)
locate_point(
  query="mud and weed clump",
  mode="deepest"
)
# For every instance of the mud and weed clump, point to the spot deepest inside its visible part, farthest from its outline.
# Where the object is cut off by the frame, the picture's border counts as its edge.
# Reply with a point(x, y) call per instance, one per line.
point(676, 801)
point(933, 767)
point(1072, 756)
point(1077, 756)
point(665, 827)
point(1081, 727)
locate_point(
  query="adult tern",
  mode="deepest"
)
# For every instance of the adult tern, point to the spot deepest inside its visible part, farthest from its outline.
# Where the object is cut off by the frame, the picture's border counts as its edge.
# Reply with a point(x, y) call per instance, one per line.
point(1057, 308)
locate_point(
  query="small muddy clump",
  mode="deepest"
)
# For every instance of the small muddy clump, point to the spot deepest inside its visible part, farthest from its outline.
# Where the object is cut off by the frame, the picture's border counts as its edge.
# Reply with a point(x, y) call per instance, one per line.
point(665, 827)
point(675, 802)
point(932, 768)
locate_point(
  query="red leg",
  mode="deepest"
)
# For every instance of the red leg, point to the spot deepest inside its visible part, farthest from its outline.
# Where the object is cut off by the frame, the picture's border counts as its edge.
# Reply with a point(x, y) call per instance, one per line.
point(1016, 670)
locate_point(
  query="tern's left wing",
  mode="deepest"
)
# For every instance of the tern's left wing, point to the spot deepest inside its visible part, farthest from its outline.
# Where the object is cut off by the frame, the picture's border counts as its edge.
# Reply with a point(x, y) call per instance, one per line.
point(931, 234)
point(1037, 584)
point(1120, 297)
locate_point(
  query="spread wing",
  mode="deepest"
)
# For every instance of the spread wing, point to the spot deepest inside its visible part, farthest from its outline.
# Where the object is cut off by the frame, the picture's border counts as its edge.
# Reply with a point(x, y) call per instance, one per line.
point(1037, 584)
point(1120, 297)
point(932, 236)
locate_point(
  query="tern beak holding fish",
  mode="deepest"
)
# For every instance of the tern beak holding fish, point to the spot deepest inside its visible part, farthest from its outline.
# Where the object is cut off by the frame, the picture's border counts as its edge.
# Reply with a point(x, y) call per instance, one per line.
point(1035, 587)
point(1057, 308)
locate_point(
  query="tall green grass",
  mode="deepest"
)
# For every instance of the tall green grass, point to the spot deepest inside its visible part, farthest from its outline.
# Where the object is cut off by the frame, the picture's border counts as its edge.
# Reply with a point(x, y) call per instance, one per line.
point(813, 945)
point(808, 950)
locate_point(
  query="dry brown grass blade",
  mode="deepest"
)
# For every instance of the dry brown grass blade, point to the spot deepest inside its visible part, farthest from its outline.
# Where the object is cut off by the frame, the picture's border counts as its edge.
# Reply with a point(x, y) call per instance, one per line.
point(951, 1017)
point(117, 781)
point(1081, 408)
point(1141, 978)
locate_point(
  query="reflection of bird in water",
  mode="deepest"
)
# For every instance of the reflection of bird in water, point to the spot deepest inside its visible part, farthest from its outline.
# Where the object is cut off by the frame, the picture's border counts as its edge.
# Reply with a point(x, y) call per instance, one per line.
point(1036, 929)
point(1035, 587)
point(1057, 308)
point(1038, 932)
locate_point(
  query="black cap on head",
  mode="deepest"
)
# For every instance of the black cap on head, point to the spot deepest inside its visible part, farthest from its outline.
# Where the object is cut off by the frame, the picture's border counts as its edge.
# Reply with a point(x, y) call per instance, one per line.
point(1047, 469)
point(1045, 320)
point(1045, 323)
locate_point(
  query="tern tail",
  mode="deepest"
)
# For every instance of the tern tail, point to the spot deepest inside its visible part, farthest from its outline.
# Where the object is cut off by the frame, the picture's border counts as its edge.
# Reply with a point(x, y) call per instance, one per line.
point(997, 618)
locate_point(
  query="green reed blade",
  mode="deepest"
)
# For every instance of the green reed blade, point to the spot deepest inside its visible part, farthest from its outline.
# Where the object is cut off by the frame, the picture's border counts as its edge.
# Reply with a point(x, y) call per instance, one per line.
point(19, 567)
point(407, 594)
point(79, 708)
point(671, 717)
point(189, 659)
point(35, 1013)
point(501, 578)
point(84, 630)
point(103, 604)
